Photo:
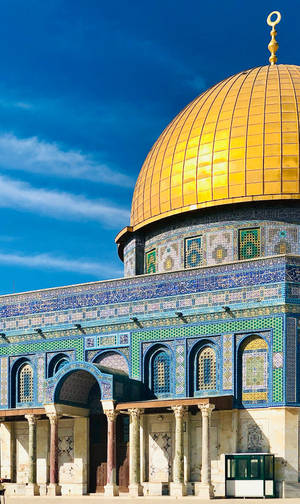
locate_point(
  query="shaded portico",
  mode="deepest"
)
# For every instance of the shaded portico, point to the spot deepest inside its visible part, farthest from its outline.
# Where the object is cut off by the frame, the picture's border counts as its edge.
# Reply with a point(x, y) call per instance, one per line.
point(138, 410)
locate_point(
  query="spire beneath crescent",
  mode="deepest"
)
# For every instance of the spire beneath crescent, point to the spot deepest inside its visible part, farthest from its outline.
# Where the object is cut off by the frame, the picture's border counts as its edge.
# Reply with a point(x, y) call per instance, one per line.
point(273, 45)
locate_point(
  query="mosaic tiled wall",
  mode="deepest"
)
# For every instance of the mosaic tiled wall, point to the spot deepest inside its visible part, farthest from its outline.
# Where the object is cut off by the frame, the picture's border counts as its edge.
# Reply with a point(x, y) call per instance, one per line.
point(271, 327)
point(254, 286)
point(216, 244)
point(150, 261)
point(291, 356)
point(113, 360)
point(240, 284)
point(255, 371)
point(193, 252)
point(249, 243)
point(228, 341)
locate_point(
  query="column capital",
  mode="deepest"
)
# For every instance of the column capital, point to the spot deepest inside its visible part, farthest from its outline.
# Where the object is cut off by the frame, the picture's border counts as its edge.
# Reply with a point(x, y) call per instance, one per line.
point(179, 411)
point(53, 418)
point(111, 414)
point(136, 412)
point(206, 409)
point(31, 419)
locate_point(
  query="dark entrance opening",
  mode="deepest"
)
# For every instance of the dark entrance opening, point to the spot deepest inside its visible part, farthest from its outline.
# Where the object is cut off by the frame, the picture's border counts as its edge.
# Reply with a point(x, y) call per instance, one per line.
point(122, 437)
point(98, 452)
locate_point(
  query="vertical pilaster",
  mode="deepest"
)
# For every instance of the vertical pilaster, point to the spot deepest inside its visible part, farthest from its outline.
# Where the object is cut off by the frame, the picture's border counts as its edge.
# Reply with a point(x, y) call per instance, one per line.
point(177, 487)
point(111, 488)
point(142, 449)
point(8, 451)
point(135, 488)
point(53, 487)
point(186, 445)
point(32, 488)
point(235, 430)
point(205, 489)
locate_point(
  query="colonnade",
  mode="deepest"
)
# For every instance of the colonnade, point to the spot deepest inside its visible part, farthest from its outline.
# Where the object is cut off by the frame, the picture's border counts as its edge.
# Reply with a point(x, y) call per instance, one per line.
point(177, 486)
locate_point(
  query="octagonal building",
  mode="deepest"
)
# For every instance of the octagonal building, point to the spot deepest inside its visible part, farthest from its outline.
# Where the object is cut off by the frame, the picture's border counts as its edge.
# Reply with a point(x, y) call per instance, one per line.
point(183, 377)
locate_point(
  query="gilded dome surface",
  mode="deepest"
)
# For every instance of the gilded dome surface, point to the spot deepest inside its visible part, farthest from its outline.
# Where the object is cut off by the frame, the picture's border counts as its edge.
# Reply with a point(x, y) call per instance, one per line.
point(236, 142)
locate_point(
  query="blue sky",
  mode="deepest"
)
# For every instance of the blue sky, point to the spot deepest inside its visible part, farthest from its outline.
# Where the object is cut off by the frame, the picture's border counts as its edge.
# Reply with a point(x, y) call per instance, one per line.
point(86, 87)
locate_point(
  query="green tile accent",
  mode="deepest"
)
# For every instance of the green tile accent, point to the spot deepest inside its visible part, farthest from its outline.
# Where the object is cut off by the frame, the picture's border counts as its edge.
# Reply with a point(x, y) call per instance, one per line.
point(213, 329)
point(249, 243)
point(151, 261)
point(278, 385)
point(46, 346)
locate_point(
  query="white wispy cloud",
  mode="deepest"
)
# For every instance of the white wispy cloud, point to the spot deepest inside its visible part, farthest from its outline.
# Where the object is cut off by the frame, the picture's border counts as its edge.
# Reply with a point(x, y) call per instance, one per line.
point(48, 261)
point(37, 156)
point(21, 195)
point(7, 103)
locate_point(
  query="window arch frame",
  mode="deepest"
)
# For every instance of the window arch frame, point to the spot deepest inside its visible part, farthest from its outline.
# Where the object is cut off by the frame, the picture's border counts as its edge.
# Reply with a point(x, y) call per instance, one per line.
point(149, 371)
point(192, 371)
point(101, 353)
point(52, 366)
point(197, 388)
point(15, 369)
point(19, 370)
point(239, 371)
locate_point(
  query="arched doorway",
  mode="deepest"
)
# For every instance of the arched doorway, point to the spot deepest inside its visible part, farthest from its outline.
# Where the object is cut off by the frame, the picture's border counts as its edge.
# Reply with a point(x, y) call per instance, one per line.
point(84, 386)
point(80, 388)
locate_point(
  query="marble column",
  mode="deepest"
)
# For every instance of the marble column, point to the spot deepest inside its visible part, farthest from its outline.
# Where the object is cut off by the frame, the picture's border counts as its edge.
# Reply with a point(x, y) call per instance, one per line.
point(205, 488)
point(135, 487)
point(177, 487)
point(111, 488)
point(53, 487)
point(32, 488)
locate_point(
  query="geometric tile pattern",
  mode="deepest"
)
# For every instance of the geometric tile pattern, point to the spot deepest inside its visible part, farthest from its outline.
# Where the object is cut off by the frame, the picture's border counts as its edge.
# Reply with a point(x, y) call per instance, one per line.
point(169, 257)
point(254, 324)
point(150, 261)
point(291, 353)
point(263, 271)
point(113, 360)
point(193, 253)
point(255, 370)
point(249, 243)
point(227, 362)
point(4, 381)
point(180, 368)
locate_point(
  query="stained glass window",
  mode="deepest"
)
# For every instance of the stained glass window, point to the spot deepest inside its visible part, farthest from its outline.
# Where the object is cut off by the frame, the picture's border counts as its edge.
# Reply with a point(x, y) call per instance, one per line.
point(151, 261)
point(193, 253)
point(255, 370)
point(249, 243)
point(25, 385)
point(161, 373)
point(206, 369)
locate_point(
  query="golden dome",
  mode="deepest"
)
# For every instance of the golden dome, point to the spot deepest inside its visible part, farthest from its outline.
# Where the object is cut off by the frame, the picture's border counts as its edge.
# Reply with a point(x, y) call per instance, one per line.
point(237, 142)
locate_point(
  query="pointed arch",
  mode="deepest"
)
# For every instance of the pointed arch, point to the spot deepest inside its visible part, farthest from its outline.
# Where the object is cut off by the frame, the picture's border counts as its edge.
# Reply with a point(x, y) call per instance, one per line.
point(253, 370)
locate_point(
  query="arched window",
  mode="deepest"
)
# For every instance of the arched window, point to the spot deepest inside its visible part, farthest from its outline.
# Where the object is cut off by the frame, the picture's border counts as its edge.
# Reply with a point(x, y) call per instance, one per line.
point(206, 369)
point(56, 363)
point(59, 364)
point(161, 375)
point(25, 384)
point(254, 376)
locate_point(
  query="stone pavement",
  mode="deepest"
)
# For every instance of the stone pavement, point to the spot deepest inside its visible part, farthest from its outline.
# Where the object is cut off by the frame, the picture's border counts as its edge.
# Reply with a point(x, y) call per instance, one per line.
point(93, 499)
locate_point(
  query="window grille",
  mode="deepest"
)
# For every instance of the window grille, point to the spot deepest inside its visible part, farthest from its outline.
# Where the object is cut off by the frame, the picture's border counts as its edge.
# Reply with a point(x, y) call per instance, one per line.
point(25, 385)
point(161, 373)
point(249, 243)
point(150, 261)
point(193, 252)
point(207, 369)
